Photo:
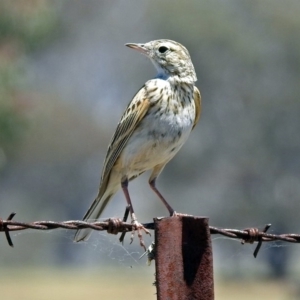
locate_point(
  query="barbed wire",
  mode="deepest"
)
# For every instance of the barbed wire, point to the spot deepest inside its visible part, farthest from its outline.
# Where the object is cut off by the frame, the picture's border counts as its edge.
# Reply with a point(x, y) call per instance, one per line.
point(115, 226)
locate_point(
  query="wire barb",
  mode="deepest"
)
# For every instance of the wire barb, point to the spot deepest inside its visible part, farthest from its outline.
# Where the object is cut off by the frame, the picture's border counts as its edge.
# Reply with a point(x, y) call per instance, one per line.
point(260, 241)
point(255, 236)
point(126, 214)
point(3, 227)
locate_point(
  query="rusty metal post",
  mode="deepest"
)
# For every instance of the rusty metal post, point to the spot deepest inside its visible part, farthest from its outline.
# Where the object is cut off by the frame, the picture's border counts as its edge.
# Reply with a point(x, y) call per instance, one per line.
point(183, 258)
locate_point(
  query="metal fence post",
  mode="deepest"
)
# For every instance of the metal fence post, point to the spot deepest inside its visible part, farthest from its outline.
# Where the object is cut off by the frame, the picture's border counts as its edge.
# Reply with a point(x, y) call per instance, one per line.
point(183, 258)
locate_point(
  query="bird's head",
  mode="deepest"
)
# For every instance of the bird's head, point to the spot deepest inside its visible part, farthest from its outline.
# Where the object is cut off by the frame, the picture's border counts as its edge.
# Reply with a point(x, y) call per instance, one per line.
point(171, 59)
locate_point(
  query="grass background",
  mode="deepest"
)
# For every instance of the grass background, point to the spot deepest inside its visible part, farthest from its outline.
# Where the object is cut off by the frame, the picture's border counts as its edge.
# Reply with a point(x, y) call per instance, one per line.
point(76, 284)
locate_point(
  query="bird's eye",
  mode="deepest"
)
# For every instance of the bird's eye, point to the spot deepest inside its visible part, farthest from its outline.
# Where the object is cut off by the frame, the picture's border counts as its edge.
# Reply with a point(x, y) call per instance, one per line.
point(163, 49)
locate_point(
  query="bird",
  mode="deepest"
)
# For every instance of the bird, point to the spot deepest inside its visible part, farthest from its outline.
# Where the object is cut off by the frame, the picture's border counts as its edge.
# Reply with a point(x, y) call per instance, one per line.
point(152, 129)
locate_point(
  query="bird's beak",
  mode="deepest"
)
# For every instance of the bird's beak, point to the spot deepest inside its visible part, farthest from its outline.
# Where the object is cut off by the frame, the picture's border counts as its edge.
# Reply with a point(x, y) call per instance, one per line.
point(139, 47)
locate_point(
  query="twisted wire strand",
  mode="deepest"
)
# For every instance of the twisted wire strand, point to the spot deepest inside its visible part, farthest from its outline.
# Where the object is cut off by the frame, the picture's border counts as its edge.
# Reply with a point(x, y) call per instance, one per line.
point(115, 226)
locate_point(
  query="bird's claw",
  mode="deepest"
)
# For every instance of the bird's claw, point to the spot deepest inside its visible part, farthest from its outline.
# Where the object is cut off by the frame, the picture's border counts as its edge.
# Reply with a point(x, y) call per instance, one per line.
point(136, 226)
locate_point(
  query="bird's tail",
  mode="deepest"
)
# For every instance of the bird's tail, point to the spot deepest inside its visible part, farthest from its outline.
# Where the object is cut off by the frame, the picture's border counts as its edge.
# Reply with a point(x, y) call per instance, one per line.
point(92, 214)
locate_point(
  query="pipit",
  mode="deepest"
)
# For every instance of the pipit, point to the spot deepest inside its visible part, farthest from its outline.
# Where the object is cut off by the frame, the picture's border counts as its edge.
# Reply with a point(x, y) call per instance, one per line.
point(154, 126)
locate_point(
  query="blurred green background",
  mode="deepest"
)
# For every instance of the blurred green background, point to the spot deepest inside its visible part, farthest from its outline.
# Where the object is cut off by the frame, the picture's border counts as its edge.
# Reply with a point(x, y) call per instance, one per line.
point(65, 79)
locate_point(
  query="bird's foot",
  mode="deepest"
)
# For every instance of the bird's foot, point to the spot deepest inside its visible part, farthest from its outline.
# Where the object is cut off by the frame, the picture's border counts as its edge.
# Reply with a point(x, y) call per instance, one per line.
point(136, 226)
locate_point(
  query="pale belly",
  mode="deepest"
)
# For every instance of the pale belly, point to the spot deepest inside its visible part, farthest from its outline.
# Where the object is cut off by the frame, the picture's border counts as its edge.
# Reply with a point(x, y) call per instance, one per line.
point(156, 141)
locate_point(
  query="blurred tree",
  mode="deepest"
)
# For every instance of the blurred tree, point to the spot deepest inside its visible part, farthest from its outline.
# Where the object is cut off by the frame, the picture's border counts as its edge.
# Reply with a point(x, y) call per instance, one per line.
point(24, 26)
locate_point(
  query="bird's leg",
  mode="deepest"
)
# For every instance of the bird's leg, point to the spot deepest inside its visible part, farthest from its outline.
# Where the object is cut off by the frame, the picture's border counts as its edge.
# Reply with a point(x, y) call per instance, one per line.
point(164, 201)
point(136, 225)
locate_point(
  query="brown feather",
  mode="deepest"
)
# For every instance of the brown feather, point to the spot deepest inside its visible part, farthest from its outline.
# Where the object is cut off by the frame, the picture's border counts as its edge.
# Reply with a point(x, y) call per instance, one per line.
point(129, 121)
point(197, 100)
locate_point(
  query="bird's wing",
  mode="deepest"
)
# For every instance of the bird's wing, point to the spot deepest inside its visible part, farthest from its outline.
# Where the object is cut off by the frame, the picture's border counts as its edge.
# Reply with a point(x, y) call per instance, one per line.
point(197, 100)
point(131, 118)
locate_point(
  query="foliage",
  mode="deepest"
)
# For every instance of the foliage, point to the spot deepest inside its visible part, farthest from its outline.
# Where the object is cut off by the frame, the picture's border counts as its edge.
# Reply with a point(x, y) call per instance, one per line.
point(25, 26)
point(30, 23)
